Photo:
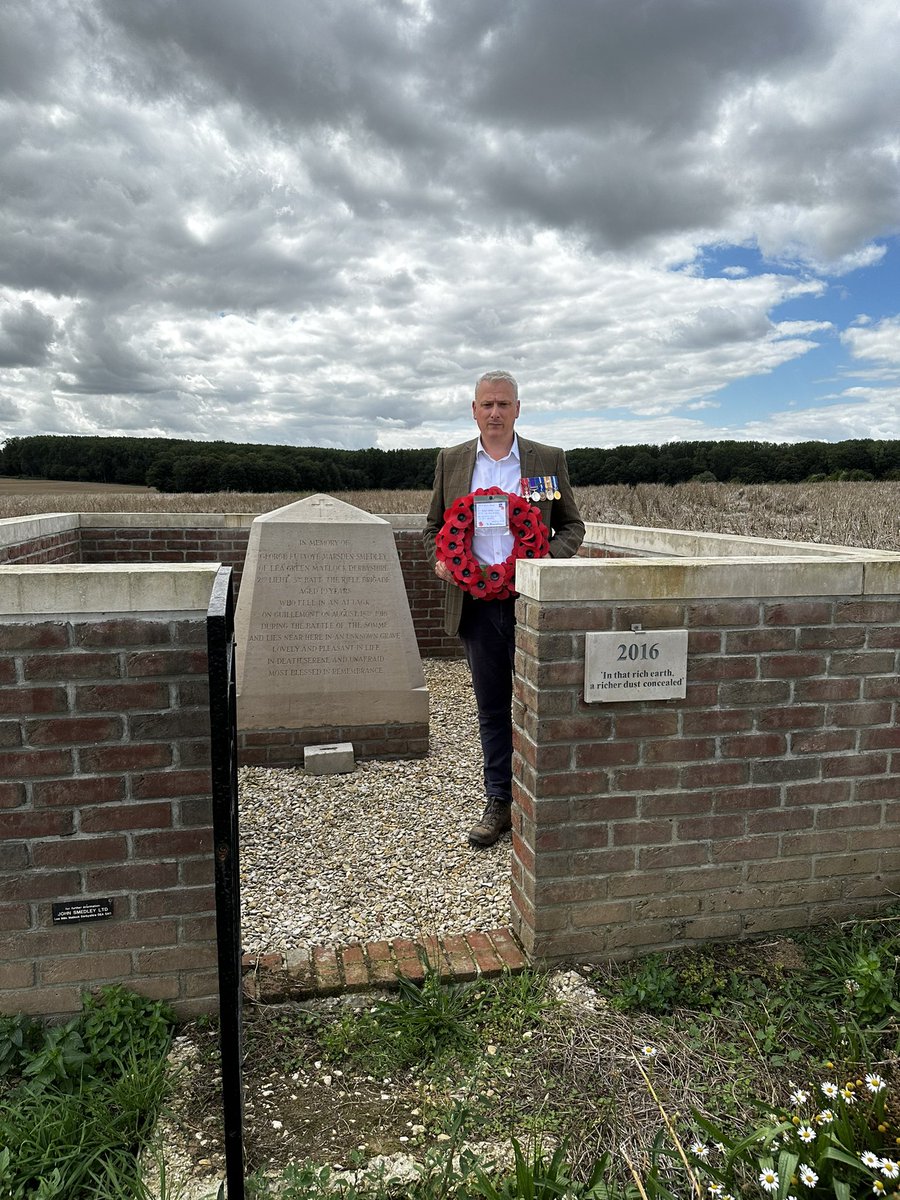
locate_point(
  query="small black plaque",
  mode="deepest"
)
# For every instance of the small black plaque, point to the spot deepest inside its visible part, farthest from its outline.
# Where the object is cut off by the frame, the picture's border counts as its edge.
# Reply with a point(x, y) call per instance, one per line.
point(82, 910)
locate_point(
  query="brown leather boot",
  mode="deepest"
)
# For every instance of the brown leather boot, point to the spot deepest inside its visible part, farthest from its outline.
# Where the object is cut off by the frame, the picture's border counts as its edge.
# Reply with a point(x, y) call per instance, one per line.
point(495, 820)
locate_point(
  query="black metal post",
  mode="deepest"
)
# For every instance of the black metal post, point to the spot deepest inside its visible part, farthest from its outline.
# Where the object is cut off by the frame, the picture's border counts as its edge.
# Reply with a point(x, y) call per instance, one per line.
point(223, 749)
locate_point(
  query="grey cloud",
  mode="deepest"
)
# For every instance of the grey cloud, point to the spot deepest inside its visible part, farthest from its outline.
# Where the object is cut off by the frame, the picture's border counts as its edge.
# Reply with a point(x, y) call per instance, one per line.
point(25, 336)
point(715, 326)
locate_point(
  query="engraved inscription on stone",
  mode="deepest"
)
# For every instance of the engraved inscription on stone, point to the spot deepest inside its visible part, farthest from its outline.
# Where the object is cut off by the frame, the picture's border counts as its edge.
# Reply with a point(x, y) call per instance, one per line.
point(645, 665)
point(323, 628)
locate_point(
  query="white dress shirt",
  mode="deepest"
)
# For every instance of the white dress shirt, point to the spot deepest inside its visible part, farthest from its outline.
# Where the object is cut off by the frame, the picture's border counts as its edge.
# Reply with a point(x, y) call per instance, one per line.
point(506, 474)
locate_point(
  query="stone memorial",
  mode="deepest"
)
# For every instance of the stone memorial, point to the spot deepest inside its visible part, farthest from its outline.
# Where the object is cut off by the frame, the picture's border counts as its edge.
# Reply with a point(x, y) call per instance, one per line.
point(326, 649)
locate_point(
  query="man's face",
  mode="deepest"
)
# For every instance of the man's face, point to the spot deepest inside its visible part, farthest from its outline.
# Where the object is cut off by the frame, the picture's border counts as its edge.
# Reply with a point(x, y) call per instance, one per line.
point(495, 410)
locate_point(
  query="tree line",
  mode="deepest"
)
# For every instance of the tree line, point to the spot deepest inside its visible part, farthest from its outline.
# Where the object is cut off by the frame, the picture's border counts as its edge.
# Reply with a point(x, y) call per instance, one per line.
point(172, 465)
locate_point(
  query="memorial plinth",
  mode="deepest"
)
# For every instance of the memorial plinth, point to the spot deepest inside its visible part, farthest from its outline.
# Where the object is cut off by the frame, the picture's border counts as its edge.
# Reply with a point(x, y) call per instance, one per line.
point(326, 650)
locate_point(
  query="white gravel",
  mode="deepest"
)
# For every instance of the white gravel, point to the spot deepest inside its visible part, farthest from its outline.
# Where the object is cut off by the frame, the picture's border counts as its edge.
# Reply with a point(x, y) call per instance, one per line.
point(380, 853)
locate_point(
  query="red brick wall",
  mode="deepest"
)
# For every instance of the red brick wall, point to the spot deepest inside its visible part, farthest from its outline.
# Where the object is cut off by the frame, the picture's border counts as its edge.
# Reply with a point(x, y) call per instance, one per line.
point(185, 545)
point(61, 547)
point(764, 800)
point(104, 757)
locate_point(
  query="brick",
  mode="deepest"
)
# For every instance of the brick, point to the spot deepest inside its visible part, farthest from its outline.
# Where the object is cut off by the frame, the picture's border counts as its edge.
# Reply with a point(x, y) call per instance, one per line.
point(817, 690)
point(43, 1001)
point(172, 843)
point(507, 949)
point(600, 808)
point(868, 612)
point(170, 726)
point(881, 687)
point(43, 636)
point(73, 793)
point(759, 641)
point(23, 701)
point(874, 712)
point(857, 764)
point(481, 948)
point(176, 902)
point(12, 795)
point(606, 754)
point(758, 692)
point(641, 833)
point(704, 641)
point(720, 825)
point(7, 672)
point(124, 631)
point(565, 729)
point(127, 817)
point(571, 783)
point(40, 885)
point(14, 916)
point(165, 662)
point(741, 850)
point(645, 724)
point(197, 810)
point(130, 756)
point(716, 721)
point(823, 741)
point(194, 871)
point(41, 943)
point(73, 730)
point(13, 856)
point(835, 791)
point(880, 739)
point(113, 697)
point(779, 820)
point(181, 958)
point(783, 771)
point(29, 824)
point(718, 667)
point(75, 851)
point(10, 733)
point(131, 877)
point(714, 774)
point(800, 612)
point(25, 764)
point(745, 798)
point(791, 666)
point(840, 816)
point(679, 750)
point(754, 745)
point(794, 716)
point(831, 637)
point(645, 779)
point(725, 613)
point(866, 662)
point(155, 785)
point(85, 968)
point(878, 637)
point(671, 804)
point(72, 666)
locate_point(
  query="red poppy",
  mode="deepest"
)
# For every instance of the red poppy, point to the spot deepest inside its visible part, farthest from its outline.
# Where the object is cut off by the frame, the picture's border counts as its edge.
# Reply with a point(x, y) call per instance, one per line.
point(453, 545)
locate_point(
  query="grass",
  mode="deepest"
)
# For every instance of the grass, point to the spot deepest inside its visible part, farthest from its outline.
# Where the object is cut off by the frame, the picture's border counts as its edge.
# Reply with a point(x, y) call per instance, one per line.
point(851, 514)
point(79, 1101)
point(581, 1082)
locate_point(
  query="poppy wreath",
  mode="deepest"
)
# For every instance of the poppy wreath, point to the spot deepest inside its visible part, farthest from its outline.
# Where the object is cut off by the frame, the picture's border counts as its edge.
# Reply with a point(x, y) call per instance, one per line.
point(453, 545)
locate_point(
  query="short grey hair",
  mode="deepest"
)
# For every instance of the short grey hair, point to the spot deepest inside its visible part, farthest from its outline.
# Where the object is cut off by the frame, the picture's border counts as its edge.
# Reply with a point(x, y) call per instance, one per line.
point(498, 377)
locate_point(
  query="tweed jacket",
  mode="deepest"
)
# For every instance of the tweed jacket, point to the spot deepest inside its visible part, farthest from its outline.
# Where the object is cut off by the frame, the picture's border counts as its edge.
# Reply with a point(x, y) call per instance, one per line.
point(453, 478)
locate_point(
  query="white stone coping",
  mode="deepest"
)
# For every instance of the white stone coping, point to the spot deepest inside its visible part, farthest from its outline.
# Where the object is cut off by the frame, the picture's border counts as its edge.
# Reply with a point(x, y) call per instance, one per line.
point(165, 520)
point(576, 580)
point(104, 588)
point(15, 530)
point(691, 544)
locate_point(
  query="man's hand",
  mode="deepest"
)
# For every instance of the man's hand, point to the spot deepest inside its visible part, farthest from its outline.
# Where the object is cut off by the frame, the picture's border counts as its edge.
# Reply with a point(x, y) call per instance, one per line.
point(443, 572)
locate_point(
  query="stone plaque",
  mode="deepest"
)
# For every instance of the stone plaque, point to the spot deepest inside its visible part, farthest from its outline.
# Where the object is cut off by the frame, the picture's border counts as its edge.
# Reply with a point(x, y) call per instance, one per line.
point(642, 664)
point(323, 628)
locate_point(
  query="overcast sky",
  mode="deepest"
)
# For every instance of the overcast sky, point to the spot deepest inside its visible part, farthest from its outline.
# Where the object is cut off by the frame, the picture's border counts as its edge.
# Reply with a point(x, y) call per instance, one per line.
point(318, 221)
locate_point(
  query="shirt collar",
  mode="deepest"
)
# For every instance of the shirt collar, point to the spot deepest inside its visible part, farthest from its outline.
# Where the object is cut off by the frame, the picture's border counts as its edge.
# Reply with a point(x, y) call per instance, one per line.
point(513, 451)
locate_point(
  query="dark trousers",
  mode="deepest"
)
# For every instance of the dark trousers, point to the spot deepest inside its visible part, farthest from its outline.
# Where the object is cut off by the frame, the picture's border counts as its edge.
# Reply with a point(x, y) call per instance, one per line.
point(488, 634)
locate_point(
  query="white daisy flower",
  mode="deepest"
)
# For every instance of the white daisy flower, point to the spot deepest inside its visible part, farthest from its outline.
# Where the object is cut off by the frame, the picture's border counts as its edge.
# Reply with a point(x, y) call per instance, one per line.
point(808, 1177)
point(649, 1051)
point(875, 1083)
point(825, 1117)
point(701, 1151)
point(806, 1133)
point(798, 1096)
point(848, 1095)
point(889, 1168)
point(869, 1159)
point(768, 1179)
point(714, 1189)
point(878, 1187)
point(829, 1090)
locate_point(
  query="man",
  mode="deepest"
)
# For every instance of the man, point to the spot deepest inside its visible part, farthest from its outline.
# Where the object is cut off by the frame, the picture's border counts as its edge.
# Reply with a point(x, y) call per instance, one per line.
point(498, 458)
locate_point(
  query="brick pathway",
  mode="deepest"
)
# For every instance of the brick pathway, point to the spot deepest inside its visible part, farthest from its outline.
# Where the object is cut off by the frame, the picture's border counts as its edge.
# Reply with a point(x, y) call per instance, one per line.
point(330, 970)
